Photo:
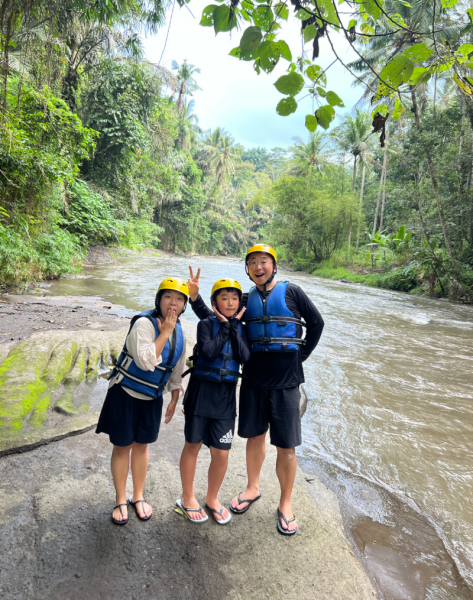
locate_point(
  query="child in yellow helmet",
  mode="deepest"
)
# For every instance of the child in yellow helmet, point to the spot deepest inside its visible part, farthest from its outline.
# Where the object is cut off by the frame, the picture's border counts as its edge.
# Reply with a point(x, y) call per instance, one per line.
point(210, 400)
point(153, 358)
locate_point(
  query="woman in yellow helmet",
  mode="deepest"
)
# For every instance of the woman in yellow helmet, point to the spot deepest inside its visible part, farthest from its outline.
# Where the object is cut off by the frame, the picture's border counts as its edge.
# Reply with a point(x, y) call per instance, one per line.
point(152, 358)
point(210, 400)
point(269, 394)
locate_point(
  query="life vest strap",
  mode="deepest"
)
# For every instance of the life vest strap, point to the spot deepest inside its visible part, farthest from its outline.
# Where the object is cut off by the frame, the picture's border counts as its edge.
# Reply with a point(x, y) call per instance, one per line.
point(221, 372)
point(279, 320)
point(144, 382)
point(265, 341)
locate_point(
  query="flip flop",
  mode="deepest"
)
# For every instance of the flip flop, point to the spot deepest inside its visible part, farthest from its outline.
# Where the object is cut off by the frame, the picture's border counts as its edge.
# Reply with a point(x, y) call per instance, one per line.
point(142, 507)
point(240, 501)
point(219, 513)
point(186, 510)
point(281, 528)
point(120, 507)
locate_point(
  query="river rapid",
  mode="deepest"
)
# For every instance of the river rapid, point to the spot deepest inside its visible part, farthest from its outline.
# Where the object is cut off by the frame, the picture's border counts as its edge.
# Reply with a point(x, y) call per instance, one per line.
point(390, 417)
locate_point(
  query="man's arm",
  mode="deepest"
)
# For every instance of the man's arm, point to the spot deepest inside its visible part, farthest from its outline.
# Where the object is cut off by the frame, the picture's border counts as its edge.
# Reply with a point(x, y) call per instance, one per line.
point(201, 310)
point(311, 316)
point(240, 344)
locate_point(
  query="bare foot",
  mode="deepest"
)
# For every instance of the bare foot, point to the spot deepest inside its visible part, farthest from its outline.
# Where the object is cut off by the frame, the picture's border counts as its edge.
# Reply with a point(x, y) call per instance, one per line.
point(287, 512)
point(144, 510)
point(248, 494)
point(120, 516)
point(192, 503)
point(218, 517)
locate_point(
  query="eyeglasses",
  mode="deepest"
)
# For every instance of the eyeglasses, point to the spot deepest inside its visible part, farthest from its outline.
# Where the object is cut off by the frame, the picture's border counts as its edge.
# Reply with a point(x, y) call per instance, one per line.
point(254, 262)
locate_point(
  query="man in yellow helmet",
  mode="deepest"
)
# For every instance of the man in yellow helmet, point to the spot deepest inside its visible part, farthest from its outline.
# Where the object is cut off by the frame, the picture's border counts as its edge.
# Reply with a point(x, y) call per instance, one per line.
point(269, 395)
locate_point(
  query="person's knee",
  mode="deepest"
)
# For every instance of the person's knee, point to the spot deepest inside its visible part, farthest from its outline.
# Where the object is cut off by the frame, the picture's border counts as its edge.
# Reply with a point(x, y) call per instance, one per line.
point(122, 450)
point(139, 447)
point(257, 441)
point(287, 453)
point(218, 454)
point(192, 448)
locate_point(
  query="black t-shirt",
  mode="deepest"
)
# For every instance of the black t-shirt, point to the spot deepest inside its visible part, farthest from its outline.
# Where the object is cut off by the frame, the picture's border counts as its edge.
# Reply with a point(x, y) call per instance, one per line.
point(214, 399)
point(277, 370)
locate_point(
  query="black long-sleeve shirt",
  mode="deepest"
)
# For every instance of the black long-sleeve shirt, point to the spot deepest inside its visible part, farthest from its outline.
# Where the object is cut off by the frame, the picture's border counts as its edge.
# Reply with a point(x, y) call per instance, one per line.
point(277, 370)
point(214, 399)
point(210, 348)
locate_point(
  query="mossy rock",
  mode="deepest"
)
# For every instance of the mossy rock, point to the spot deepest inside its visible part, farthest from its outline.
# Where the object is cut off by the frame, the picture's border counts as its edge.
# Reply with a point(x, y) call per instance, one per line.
point(57, 368)
point(92, 362)
point(21, 385)
point(71, 383)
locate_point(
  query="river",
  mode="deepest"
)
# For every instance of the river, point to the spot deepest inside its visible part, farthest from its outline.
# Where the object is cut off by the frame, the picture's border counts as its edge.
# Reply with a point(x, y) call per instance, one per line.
point(390, 419)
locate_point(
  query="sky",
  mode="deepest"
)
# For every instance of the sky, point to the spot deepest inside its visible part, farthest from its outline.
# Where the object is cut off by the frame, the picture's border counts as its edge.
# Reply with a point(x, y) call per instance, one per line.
point(233, 96)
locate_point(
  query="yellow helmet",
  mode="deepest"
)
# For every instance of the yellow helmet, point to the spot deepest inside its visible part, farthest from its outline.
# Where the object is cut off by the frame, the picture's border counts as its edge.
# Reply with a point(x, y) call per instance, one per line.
point(225, 283)
point(173, 283)
point(261, 248)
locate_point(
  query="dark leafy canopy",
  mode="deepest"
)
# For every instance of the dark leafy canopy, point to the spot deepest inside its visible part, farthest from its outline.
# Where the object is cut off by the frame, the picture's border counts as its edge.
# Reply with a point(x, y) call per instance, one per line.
point(409, 42)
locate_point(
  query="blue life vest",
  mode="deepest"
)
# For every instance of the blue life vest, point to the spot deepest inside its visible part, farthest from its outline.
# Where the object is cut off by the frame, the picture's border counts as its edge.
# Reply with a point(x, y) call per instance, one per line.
point(222, 368)
point(151, 383)
point(270, 325)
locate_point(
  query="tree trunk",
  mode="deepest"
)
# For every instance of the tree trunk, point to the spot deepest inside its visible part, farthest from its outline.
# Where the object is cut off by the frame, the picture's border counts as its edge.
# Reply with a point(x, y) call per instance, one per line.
point(382, 181)
point(433, 178)
point(351, 211)
point(361, 207)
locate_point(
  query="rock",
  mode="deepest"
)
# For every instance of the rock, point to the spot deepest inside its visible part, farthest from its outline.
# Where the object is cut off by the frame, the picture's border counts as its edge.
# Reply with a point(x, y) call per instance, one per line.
point(54, 368)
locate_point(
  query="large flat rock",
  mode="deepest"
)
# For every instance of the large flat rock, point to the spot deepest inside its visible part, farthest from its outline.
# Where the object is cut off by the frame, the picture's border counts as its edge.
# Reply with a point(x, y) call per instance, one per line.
point(57, 540)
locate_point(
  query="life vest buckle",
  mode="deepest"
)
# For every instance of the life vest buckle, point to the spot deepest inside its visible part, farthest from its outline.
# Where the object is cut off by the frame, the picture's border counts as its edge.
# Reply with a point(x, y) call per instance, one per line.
point(265, 319)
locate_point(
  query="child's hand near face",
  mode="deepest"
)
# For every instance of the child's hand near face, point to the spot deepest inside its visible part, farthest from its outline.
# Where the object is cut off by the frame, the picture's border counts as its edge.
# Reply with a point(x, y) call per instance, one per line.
point(219, 315)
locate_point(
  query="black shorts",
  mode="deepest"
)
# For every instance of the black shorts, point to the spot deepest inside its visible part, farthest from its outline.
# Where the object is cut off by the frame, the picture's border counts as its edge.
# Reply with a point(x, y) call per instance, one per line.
point(217, 433)
point(127, 419)
point(278, 409)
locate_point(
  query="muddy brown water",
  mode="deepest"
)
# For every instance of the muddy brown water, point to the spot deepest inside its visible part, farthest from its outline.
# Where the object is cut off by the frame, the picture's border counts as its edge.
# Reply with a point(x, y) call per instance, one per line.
point(390, 418)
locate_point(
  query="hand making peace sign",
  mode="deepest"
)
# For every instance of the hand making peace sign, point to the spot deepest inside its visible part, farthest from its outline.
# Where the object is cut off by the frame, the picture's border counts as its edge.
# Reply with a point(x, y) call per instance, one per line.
point(193, 284)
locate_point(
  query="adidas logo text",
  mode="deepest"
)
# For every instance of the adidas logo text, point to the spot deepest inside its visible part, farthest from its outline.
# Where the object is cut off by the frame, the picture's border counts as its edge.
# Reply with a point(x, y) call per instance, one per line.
point(227, 438)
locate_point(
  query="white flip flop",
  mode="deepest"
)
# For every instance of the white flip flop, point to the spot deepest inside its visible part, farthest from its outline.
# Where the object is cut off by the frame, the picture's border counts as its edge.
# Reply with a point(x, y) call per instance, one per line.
point(186, 510)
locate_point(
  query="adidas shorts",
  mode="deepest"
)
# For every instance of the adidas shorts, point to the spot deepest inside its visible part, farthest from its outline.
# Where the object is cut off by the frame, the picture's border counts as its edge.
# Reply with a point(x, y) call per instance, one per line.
point(217, 433)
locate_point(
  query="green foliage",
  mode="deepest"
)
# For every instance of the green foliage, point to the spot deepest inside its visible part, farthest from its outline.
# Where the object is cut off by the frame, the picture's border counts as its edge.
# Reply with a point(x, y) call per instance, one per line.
point(311, 216)
point(89, 216)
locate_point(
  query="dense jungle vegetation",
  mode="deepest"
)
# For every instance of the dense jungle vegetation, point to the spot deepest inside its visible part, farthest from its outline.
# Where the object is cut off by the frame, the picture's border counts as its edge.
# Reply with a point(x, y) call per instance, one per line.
point(100, 146)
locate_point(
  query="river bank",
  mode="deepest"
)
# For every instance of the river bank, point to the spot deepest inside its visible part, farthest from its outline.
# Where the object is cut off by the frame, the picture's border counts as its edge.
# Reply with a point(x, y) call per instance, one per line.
point(57, 539)
point(388, 386)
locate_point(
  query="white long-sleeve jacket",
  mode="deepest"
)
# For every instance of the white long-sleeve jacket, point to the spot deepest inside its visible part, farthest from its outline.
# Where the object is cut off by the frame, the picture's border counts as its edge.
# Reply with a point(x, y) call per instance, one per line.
point(140, 344)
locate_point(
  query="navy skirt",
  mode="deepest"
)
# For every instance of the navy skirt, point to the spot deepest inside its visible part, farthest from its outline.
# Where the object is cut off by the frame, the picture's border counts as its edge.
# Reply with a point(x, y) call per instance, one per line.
point(126, 419)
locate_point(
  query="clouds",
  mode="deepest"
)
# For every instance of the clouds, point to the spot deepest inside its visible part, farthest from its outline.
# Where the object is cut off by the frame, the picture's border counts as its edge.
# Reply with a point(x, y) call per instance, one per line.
point(233, 95)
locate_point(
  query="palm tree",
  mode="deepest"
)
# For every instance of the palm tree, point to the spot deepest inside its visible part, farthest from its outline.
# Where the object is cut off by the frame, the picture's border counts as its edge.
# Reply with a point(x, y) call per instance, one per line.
point(187, 126)
point(220, 153)
point(186, 84)
point(354, 135)
point(308, 157)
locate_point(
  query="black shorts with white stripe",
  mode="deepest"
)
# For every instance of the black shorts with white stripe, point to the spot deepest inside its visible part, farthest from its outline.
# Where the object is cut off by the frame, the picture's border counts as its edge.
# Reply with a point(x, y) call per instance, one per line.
point(217, 433)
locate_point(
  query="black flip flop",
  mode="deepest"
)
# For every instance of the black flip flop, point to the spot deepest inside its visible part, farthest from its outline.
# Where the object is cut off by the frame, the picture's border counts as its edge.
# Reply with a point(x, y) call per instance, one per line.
point(281, 529)
point(136, 510)
point(240, 501)
point(120, 507)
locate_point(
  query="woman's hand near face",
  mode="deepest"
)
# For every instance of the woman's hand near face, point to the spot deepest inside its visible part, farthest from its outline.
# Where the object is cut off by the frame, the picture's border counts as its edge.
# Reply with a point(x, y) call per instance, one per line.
point(193, 284)
point(166, 326)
